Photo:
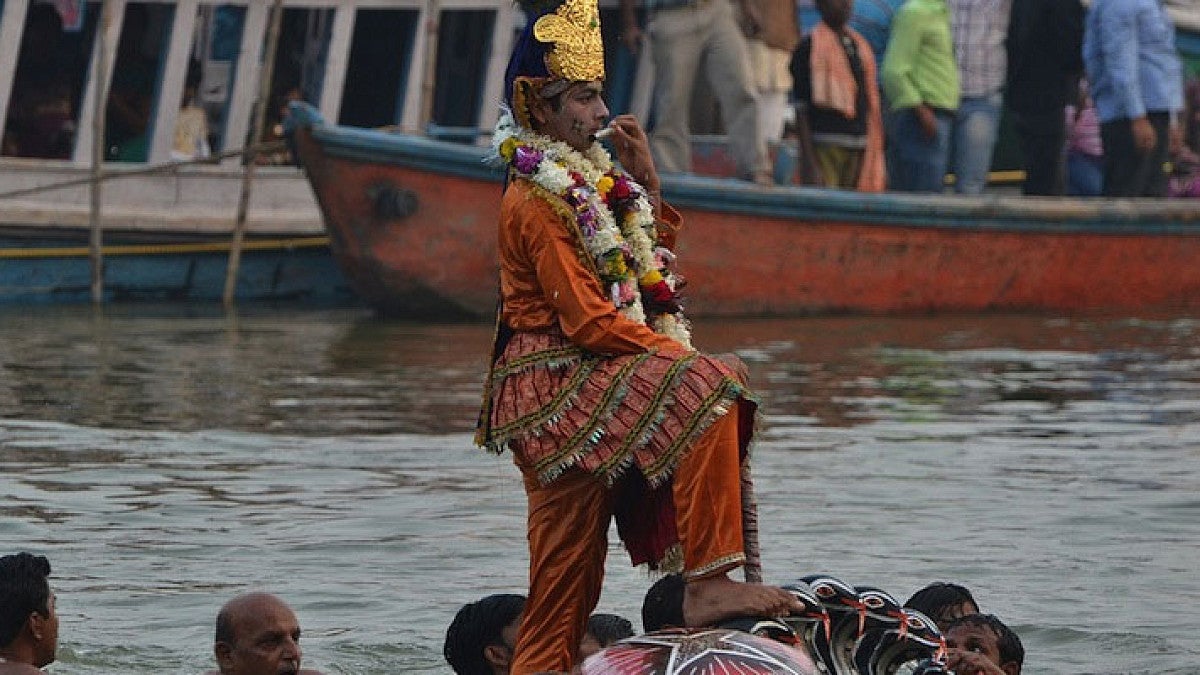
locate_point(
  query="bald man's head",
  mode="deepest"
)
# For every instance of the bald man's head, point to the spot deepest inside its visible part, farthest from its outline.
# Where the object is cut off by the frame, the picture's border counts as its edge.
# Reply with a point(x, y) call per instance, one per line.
point(257, 634)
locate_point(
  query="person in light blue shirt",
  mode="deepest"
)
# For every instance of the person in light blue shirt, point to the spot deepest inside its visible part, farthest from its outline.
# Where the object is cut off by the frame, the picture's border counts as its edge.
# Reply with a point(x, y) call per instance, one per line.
point(1137, 85)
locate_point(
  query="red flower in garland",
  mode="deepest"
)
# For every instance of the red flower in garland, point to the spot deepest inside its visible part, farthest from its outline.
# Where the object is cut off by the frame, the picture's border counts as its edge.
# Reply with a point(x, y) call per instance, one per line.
point(660, 299)
point(620, 188)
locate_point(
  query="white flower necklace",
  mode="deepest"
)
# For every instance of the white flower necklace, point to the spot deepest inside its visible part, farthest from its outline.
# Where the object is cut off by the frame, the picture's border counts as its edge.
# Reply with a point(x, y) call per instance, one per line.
point(625, 252)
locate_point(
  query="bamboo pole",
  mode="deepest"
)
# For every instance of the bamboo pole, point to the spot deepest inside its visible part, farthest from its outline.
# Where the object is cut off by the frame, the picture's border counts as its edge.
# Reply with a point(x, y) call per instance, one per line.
point(96, 236)
point(260, 116)
point(432, 22)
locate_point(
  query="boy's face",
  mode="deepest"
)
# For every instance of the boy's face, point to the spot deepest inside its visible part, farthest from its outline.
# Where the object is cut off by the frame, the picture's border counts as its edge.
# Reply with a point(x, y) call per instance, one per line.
point(579, 115)
point(981, 640)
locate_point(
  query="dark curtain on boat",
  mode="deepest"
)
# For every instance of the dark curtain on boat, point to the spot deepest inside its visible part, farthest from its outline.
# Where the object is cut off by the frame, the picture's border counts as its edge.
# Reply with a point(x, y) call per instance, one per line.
point(376, 77)
point(464, 45)
point(47, 90)
point(133, 92)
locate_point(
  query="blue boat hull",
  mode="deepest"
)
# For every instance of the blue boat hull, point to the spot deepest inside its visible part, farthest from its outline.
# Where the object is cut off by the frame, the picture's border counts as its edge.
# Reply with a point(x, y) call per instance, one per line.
point(40, 270)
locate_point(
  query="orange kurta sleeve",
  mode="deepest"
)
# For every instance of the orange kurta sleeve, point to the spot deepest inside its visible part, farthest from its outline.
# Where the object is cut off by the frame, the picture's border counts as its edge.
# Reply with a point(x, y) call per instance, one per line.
point(543, 280)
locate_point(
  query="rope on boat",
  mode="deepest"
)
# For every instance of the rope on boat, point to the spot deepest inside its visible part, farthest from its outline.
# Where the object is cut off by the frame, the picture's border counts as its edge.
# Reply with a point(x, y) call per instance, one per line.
point(165, 167)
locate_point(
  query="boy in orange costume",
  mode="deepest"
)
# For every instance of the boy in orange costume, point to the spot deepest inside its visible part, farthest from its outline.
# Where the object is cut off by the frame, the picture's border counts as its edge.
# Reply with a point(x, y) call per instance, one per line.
point(594, 384)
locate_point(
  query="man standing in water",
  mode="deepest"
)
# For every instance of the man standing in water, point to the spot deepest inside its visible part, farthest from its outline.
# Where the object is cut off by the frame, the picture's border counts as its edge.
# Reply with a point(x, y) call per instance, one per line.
point(28, 620)
point(258, 634)
point(594, 385)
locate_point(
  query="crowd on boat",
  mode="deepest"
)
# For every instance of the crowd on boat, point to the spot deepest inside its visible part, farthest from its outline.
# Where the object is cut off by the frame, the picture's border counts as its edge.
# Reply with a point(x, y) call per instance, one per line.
point(1095, 95)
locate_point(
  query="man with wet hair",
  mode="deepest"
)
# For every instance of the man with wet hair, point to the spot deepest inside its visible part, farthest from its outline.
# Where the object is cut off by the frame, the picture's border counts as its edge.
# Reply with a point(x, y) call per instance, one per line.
point(663, 605)
point(981, 644)
point(602, 631)
point(258, 634)
point(943, 602)
point(483, 635)
point(28, 621)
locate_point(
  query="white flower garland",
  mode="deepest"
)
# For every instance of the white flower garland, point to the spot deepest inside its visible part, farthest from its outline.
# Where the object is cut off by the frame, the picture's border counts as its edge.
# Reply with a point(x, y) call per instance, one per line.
point(553, 174)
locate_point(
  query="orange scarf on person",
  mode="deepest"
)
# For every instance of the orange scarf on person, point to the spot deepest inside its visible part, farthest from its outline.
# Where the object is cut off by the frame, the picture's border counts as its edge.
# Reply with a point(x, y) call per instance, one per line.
point(834, 88)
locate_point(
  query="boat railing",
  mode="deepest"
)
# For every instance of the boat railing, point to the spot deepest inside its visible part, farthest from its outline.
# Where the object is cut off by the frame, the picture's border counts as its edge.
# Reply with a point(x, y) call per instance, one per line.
point(457, 134)
point(814, 204)
point(111, 172)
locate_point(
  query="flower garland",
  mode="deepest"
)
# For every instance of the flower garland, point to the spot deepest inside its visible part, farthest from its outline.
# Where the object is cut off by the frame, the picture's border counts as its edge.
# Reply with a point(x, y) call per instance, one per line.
point(616, 219)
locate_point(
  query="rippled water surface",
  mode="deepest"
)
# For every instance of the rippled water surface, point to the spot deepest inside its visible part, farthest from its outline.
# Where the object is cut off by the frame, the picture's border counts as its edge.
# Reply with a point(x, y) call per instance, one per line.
point(166, 459)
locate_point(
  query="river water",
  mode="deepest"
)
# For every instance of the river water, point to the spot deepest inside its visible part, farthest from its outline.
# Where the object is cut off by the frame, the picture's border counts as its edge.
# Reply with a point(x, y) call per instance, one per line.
point(166, 458)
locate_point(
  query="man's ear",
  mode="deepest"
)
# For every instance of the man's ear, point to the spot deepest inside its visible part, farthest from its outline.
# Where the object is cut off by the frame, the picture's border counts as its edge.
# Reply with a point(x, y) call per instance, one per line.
point(1011, 668)
point(223, 652)
point(539, 108)
point(36, 625)
point(497, 655)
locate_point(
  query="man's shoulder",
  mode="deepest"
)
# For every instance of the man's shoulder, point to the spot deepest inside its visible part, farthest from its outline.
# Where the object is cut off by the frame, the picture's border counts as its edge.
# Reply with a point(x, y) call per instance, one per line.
point(911, 14)
point(922, 8)
point(11, 668)
point(1119, 9)
point(521, 194)
point(528, 207)
point(516, 193)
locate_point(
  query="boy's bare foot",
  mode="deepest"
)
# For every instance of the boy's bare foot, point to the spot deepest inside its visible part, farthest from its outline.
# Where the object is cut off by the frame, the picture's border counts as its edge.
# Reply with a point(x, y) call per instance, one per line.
point(713, 599)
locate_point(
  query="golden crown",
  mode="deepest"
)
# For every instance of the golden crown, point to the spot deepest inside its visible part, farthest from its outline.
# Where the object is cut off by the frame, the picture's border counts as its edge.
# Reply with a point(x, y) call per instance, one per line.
point(574, 30)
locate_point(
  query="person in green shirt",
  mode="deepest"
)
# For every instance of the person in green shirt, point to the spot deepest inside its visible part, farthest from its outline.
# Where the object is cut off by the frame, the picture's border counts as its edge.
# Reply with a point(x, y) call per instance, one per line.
point(920, 83)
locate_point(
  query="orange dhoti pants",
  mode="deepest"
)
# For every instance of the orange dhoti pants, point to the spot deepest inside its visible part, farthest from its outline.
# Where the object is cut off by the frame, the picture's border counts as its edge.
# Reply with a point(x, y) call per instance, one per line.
point(568, 541)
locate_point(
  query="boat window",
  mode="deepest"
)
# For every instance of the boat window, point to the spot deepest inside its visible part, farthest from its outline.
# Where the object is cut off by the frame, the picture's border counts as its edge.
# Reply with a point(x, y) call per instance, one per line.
point(217, 44)
point(141, 51)
point(377, 74)
point(299, 69)
point(464, 45)
point(47, 90)
point(300, 59)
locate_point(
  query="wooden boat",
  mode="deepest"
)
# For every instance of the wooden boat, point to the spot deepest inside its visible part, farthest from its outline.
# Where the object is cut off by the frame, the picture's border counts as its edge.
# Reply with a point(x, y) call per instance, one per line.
point(167, 224)
point(371, 63)
point(38, 271)
point(412, 224)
